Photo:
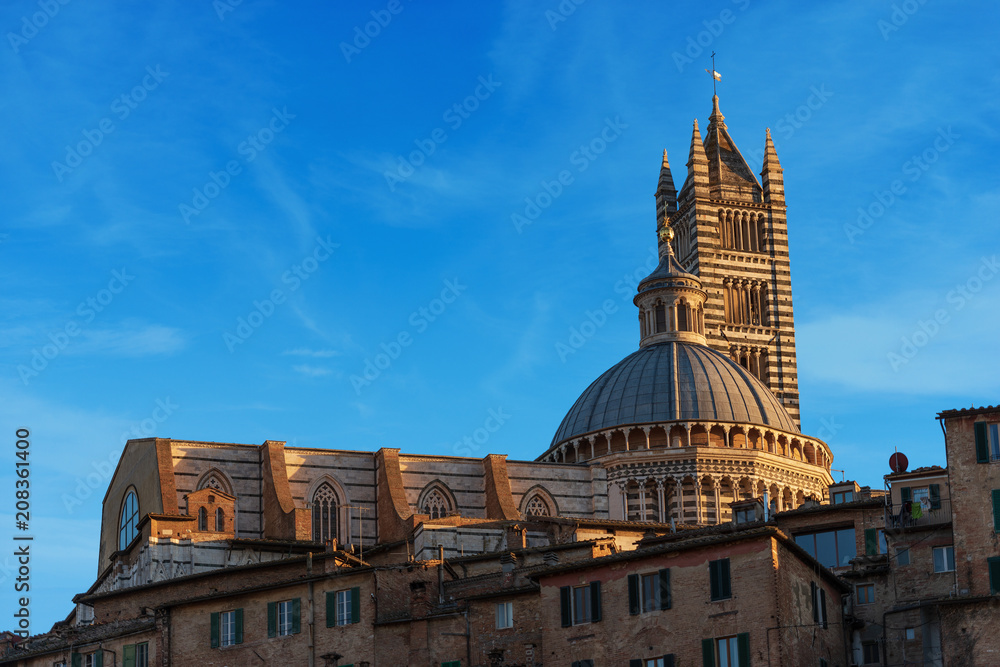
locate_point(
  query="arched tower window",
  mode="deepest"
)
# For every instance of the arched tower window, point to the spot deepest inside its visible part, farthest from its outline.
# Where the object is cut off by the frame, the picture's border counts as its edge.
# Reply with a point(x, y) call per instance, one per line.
point(435, 505)
point(661, 318)
point(128, 520)
point(202, 519)
point(220, 520)
point(324, 513)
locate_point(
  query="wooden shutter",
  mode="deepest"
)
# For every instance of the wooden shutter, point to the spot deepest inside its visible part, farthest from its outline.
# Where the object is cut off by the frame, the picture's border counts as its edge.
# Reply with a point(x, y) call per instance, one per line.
point(996, 510)
point(871, 541)
point(822, 606)
point(665, 600)
point(727, 589)
point(239, 626)
point(905, 495)
point(633, 594)
point(743, 648)
point(714, 579)
point(815, 601)
point(355, 604)
point(668, 660)
point(935, 496)
point(76, 660)
point(296, 616)
point(331, 609)
point(566, 605)
point(635, 663)
point(982, 445)
point(708, 652)
point(595, 601)
point(99, 658)
point(214, 622)
point(993, 564)
point(272, 619)
point(128, 655)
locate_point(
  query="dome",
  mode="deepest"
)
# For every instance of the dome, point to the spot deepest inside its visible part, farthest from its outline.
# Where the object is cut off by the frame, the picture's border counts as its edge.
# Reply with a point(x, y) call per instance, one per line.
point(673, 381)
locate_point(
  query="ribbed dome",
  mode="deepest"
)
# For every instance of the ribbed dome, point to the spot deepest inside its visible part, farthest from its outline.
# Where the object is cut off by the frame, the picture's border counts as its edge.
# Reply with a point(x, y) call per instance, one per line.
point(673, 381)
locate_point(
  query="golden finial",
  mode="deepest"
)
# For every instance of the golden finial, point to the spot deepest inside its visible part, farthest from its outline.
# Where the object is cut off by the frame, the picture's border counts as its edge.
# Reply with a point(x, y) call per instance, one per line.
point(666, 233)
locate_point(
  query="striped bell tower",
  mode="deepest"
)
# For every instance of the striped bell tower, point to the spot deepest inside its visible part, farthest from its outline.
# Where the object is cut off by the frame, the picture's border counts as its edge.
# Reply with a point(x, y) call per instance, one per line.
point(730, 230)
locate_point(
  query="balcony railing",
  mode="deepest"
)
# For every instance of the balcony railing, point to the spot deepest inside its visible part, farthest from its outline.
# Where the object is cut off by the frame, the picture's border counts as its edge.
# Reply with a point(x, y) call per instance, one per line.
point(913, 514)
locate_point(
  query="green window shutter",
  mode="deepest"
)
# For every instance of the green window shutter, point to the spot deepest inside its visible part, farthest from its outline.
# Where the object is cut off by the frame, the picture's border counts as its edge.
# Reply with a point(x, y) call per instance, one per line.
point(815, 601)
point(76, 660)
point(994, 568)
point(668, 660)
point(633, 594)
point(635, 663)
point(355, 604)
point(214, 622)
point(128, 655)
point(565, 605)
point(727, 588)
point(743, 648)
point(822, 605)
point(905, 495)
point(665, 601)
point(239, 626)
point(713, 576)
point(331, 609)
point(272, 619)
point(823, 663)
point(595, 601)
point(982, 447)
point(708, 652)
point(99, 658)
point(871, 541)
point(296, 616)
point(996, 510)
point(935, 496)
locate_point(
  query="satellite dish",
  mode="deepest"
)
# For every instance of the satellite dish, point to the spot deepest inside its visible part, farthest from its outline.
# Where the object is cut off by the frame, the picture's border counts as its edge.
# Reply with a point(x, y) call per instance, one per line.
point(898, 462)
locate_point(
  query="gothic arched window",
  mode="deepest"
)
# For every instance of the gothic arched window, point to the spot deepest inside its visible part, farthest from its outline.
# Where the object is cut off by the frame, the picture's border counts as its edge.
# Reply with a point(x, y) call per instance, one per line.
point(129, 517)
point(202, 519)
point(324, 513)
point(435, 505)
point(536, 507)
point(220, 520)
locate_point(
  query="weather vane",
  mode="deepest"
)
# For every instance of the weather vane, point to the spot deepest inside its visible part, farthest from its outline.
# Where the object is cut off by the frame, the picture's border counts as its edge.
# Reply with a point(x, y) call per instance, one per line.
point(715, 75)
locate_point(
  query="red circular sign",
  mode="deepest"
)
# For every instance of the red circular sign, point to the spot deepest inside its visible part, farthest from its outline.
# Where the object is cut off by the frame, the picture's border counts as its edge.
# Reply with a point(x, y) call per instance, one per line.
point(898, 462)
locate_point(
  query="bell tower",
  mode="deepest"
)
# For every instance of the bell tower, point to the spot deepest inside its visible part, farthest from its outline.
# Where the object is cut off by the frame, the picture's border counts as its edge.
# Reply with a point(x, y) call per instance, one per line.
point(732, 233)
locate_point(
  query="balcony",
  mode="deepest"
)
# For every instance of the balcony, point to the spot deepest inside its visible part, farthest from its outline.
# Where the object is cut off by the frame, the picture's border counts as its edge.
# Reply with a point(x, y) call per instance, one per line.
point(913, 514)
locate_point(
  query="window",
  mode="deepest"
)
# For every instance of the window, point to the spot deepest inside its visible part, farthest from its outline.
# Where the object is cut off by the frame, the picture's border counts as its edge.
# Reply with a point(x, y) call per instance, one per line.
point(649, 592)
point(944, 559)
point(865, 593)
point(505, 615)
point(325, 508)
point(129, 517)
point(841, 497)
point(903, 555)
point(993, 565)
point(227, 628)
point(135, 655)
point(727, 651)
point(875, 542)
point(343, 607)
point(987, 442)
point(583, 663)
point(910, 633)
point(746, 516)
point(718, 574)
point(996, 510)
point(869, 653)
point(580, 604)
point(220, 520)
point(832, 548)
point(435, 505)
point(202, 519)
point(94, 659)
point(284, 618)
point(536, 507)
point(661, 661)
point(819, 604)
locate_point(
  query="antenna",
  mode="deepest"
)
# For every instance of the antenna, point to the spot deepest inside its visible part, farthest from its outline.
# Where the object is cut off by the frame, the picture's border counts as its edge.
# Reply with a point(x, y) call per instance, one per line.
point(714, 80)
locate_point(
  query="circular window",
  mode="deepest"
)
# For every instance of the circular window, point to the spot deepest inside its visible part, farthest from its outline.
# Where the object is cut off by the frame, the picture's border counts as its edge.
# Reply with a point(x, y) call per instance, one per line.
point(130, 516)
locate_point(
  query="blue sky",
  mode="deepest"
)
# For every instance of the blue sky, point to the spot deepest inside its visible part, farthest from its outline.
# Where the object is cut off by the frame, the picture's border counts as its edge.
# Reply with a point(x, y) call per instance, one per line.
point(172, 170)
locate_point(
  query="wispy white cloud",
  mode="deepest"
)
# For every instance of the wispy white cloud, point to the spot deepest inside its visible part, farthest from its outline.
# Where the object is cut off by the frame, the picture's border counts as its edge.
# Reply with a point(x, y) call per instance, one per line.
point(307, 352)
point(311, 371)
